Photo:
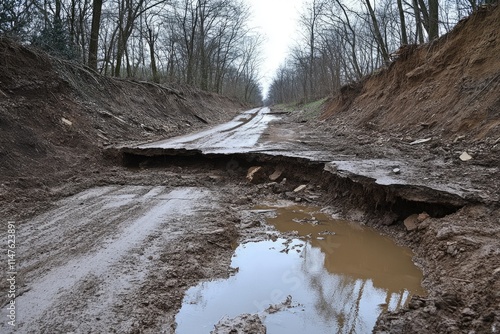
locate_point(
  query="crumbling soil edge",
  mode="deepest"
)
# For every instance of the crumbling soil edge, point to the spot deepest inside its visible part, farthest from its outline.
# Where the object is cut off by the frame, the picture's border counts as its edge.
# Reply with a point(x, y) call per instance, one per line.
point(455, 247)
point(391, 203)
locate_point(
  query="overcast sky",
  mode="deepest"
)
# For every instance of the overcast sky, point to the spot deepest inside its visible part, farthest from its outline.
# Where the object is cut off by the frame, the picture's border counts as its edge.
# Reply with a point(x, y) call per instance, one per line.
point(277, 21)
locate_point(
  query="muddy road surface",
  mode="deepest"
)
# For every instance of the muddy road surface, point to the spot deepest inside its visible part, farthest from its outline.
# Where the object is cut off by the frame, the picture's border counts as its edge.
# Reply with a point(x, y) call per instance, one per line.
point(82, 261)
point(239, 135)
point(120, 253)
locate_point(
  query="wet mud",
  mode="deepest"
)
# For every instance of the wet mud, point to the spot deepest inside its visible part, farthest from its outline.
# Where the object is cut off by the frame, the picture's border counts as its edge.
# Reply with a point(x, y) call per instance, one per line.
point(123, 273)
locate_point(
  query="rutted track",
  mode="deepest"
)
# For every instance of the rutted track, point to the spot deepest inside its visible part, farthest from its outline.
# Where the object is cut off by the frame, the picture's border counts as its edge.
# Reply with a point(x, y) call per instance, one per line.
point(126, 254)
point(459, 260)
point(97, 245)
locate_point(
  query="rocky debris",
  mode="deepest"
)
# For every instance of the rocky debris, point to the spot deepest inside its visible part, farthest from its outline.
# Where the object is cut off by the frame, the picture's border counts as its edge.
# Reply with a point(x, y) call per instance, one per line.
point(242, 324)
point(465, 156)
point(256, 174)
point(412, 222)
point(300, 188)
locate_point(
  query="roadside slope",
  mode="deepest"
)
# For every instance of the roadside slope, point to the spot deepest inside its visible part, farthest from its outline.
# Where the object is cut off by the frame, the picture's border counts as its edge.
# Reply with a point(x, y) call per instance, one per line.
point(448, 89)
point(55, 116)
point(446, 94)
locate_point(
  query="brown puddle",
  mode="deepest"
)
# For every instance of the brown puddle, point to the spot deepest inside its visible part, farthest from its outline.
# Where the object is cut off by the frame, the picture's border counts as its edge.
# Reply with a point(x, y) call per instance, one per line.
point(340, 277)
point(353, 250)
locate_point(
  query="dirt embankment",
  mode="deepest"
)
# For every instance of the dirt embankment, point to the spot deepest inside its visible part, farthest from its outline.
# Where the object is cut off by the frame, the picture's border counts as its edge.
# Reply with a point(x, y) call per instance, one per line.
point(448, 93)
point(55, 116)
point(448, 89)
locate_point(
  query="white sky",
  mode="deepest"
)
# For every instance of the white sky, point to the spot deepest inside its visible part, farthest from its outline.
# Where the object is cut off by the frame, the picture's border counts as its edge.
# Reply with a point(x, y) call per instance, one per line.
point(277, 22)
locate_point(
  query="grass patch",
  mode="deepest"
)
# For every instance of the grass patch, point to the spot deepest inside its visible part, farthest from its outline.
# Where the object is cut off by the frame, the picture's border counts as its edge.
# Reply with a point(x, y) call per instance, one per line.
point(306, 111)
point(313, 109)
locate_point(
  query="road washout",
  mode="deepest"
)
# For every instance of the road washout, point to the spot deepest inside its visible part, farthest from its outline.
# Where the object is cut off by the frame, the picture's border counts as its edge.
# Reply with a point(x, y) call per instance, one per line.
point(419, 115)
point(243, 149)
point(431, 210)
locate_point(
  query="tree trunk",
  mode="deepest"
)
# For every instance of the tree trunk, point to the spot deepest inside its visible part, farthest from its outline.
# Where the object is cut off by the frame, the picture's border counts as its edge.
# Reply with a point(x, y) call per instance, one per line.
point(376, 31)
point(119, 54)
point(418, 22)
point(151, 41)
point(404, 35)
point(94, 34)
point(433, 19)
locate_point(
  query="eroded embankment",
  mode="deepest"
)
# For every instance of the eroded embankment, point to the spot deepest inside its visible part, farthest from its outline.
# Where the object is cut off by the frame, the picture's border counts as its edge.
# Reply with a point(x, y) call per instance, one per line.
point(387, 203)
point(457, 247)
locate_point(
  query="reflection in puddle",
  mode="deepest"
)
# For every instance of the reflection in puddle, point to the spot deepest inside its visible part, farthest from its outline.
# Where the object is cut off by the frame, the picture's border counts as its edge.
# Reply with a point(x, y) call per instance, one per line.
point(340, 276)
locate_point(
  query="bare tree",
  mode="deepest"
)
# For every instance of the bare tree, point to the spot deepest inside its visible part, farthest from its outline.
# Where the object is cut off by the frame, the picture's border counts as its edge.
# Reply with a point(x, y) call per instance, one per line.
point(376, 31)
point(433, 19)
point(94, 33)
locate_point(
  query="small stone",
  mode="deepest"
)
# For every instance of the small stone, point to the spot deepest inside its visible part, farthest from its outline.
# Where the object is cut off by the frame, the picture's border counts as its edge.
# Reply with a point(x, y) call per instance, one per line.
point(396, 171)
point(468, 312)
point(276, 175)
point(445, 233)
point(420, 141)
point(66, 121)
point(411, 222)
point(255, 174)
point(300, 188)
point(422, 217)
point(451, 250)
point(423, 225)
point(465, 157)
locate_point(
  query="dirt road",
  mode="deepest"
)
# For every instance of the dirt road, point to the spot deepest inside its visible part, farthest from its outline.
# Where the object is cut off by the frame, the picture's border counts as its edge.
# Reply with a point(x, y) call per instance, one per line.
point(80, 260)
point(119, 257)
point(237, 136)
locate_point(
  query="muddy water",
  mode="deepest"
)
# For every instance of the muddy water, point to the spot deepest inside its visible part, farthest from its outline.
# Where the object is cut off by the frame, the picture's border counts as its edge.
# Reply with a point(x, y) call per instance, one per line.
point(340, 276)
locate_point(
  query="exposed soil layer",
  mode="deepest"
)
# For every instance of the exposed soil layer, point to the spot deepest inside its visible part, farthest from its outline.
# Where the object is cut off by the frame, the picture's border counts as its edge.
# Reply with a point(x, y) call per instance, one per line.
point(447, 92)
point(458, 247)
point(56, 116)
point(447, 89)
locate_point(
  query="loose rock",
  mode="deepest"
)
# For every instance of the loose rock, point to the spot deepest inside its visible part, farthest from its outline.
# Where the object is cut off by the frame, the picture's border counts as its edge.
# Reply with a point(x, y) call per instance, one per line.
point(411, 223)
point(255, 174)
point(465, 157)
point(276, 175)
point(300, 188)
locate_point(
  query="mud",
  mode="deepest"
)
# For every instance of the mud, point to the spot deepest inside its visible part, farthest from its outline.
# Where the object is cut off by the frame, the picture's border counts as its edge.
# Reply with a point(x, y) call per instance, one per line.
point(141, 284)
point(363, 187)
